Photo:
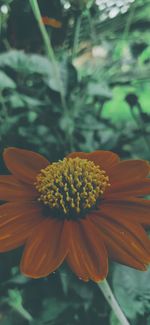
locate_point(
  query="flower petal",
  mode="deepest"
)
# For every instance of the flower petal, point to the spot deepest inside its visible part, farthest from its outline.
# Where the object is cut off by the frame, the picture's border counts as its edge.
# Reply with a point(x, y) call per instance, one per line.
point(45, 249)
point(135, 210)
point(87, 255)
point(129, 225)
point(24, 164)
point(122, 245)
point(106, 159)
point(16, 222)
point(128, 171)
point(138, 188)
point(12, 190)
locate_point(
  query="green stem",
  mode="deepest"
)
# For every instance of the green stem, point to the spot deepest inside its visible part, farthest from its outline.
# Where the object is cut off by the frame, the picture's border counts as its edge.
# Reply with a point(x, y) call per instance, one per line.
point(76, 36)
point(92, 28)
point(48, 48)
point(104, 286)
point(125, 35)
point(129, 21)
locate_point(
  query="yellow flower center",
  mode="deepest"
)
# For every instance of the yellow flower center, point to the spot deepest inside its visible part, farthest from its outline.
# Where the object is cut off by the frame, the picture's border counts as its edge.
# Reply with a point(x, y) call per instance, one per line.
point(72, 185)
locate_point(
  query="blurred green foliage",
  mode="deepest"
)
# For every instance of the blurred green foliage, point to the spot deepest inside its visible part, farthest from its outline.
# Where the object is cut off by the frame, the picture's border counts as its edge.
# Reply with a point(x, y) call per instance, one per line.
point(134, 285)
point(104, 67)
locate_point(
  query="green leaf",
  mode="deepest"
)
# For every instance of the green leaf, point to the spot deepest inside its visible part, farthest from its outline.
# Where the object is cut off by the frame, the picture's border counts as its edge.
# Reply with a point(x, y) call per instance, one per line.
point(145, 55)
point(16, 100)
point(53, 308)
point(66, 123)
point(34, 64)
point(6, 82)
point(19, 100)
point(99, 90)
point(15, 302)
point(132, 290)
point(14, 59)
point(22, 62)
point(32, 116)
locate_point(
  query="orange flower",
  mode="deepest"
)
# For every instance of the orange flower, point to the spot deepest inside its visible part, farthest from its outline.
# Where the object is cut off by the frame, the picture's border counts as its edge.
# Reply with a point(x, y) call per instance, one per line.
point(83, 209)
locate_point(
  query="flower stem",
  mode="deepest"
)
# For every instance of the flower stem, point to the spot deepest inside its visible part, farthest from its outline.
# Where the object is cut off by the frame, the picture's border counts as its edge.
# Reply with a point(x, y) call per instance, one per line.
point(76, 36)
point(93, 34)
point(105, 288)
point(48, 48)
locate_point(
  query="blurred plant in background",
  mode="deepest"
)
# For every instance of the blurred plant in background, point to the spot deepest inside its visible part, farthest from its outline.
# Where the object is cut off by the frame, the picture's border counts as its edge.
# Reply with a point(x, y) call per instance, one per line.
point(103, 53)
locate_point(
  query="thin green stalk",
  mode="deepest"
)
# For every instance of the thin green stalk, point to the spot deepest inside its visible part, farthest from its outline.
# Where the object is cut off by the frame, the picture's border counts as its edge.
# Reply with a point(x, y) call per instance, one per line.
point(92, 28)
point(76, 36)
point(127, 26)
point(129, 21)
point(105, 288)
point(48, 48)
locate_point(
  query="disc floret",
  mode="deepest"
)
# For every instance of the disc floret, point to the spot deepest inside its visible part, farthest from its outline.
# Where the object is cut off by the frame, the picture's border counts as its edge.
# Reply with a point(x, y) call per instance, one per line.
point(71, 184)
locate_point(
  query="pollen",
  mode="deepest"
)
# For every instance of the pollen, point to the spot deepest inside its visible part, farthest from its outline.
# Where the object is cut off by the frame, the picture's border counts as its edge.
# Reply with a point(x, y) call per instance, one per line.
point(71, 185)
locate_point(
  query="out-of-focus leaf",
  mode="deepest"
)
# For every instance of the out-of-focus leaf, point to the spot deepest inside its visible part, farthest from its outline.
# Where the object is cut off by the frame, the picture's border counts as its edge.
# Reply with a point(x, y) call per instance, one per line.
point(84, 292)
point(66, 123)
point(117, 110)
point(32, 116)
point(64, 77)
point(15, 302)
point(53, 308)
point(9, 123)
point(59, 76)
point(32, 64)
point(18, 100)
point(42, 130)
point(145, 55)
point(15, 100)
point(64, 281)
point(21, 62)
point(6, 82)
point(99, 90)
point(132, 290)
point(108, 138)
point(30, 101)
point(19, 279)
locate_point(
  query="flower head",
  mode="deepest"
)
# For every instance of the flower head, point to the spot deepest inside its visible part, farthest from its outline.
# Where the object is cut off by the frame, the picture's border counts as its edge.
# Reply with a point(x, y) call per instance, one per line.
point(83, 209)
point(72, 186)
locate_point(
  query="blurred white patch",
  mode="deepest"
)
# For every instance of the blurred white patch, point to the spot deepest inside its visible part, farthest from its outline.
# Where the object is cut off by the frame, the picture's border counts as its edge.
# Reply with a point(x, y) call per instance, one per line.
point(67, 5)
point(114, 12)
point(99, 51)
point(4, 9)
